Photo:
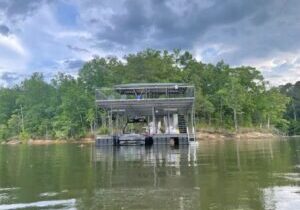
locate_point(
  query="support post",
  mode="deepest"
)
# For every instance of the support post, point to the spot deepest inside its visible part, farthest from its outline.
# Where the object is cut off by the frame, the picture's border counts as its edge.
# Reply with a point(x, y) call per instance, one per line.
point(193, 122)
point(168, 121)
point(117, 123)
point(153, 119)
point(111, 123)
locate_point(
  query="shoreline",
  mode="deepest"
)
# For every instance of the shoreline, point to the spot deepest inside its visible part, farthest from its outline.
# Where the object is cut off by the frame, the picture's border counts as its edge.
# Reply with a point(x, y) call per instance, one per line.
point(208, 135)
point(202, 135)
point(49, 142)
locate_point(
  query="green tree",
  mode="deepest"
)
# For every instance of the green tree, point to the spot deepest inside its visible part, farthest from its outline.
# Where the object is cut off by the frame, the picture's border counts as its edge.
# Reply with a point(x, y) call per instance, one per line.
point(38, 102)
point(234, 95)
point(100, 72)
point(275, 106)
point(292, 113)
point(7, 103)
point(71, 120)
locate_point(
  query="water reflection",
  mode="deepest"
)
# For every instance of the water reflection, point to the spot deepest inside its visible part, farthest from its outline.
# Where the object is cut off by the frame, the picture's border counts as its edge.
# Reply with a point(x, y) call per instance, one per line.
point(58, 204)
point(144, 178)
point(142, 166)
point(282, 198)
point(245, 174)
point(150, 156)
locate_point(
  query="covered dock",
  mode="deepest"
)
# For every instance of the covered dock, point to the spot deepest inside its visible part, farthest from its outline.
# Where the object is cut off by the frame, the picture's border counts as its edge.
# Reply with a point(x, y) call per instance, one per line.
point(166, 108)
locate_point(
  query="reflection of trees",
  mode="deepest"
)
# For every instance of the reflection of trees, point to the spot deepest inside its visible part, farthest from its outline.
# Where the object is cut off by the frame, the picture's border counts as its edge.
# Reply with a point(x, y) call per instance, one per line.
point(238, 170)
point(221, 174)
point(39, 169)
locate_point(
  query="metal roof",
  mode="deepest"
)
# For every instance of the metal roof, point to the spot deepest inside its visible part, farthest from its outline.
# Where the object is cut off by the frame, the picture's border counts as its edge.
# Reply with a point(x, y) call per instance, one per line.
point(158, 88)
point(150, 85)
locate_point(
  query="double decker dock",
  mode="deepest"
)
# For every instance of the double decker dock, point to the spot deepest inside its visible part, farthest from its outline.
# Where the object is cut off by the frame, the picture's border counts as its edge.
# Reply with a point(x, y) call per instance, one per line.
point(147, 113)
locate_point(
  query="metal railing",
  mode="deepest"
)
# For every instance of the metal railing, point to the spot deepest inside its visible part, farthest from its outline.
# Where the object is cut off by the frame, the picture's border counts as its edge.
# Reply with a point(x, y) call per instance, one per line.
point(114, 94)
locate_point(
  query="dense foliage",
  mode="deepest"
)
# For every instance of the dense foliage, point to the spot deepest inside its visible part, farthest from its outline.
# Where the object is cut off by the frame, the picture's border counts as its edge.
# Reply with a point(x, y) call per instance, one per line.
point(293, 110)
point(225, 96)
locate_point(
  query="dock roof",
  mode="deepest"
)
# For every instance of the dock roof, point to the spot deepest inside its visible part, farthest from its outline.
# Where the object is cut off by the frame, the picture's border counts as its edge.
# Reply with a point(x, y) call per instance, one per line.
point(150, 85)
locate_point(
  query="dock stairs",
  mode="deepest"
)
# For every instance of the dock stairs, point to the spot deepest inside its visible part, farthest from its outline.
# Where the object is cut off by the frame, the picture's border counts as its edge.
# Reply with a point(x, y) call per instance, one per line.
point(182, 124)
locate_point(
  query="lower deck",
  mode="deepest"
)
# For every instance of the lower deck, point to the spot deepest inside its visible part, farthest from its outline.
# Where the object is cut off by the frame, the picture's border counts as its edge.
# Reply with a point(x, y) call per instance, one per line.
point(164, 139)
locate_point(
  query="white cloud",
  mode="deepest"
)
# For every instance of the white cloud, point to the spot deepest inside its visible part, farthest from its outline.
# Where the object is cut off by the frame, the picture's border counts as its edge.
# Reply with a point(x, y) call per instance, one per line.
point(13, 54)
point(72, 34)
point(279, 69)
point(209, 52)
point(13, 43)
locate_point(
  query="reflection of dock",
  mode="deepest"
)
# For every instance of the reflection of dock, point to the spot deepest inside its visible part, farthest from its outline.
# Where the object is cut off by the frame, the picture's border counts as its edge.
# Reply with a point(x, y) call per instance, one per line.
point(157, 163)
point(155, 155)
point(159, 176)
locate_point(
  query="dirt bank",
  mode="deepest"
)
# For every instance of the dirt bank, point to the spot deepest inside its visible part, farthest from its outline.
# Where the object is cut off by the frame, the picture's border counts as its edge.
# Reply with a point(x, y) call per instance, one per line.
point(207, 135)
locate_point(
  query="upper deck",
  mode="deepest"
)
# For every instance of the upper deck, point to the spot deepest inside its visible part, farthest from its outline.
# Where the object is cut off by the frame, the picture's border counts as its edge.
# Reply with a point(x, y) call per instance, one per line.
point(141, 98)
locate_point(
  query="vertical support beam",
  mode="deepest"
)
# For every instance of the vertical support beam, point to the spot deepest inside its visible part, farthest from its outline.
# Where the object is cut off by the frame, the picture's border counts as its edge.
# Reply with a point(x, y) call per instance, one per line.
point(187, 124)
point(111, 122)
point(167, 93)
point(193, 122)
point(193, 113)
point(168, 121)
point(153, 119)
point(117, 123)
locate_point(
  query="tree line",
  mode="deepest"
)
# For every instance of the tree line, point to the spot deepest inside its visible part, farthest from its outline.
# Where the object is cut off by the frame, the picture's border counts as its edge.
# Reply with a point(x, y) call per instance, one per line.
point(226, 97)
point(292, 113)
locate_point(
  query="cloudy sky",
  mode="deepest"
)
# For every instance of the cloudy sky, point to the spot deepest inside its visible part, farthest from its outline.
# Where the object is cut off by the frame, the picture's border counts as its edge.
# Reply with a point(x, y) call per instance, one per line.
point(59, 35)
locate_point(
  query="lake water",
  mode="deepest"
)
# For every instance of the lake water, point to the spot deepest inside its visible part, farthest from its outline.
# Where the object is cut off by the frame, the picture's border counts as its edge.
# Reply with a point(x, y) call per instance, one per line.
point(245, 174)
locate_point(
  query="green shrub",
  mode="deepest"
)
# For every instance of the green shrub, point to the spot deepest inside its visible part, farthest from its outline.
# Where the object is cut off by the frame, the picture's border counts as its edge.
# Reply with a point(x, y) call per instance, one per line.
point(294, 128)
point(103, 130)
point(24, 136)
point(3, 132)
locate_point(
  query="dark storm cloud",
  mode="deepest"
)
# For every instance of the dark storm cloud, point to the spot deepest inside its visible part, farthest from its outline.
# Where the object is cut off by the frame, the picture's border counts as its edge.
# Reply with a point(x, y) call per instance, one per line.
point(253, 28)
point(231, 30)
point(269, 33)
point(158, 21)
point(3, 4)
point(253, 32)
point(4, 30)
point(19, 9)
point(129, 26)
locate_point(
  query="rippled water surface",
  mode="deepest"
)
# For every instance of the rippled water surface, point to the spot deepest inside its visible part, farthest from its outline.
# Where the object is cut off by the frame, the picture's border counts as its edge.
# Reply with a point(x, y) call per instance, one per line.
point(245, 174)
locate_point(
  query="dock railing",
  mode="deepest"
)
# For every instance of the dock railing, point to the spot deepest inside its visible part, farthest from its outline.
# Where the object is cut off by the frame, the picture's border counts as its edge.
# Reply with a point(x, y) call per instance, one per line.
point(114, 94)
